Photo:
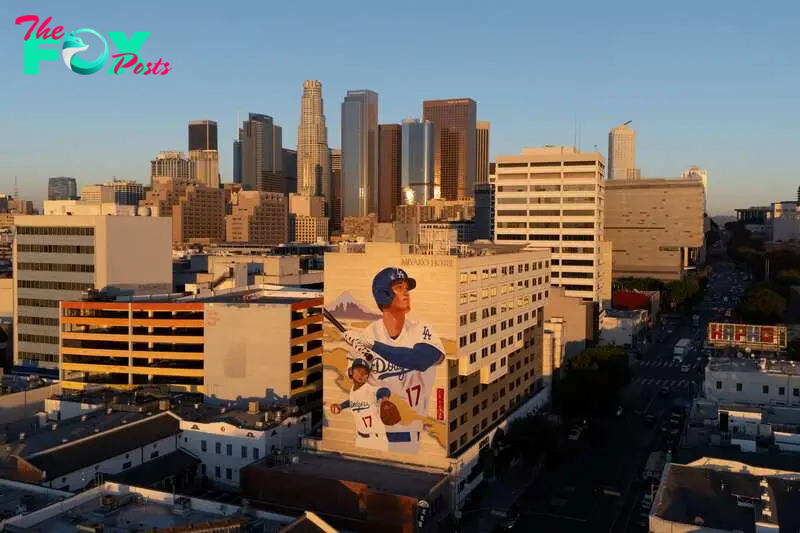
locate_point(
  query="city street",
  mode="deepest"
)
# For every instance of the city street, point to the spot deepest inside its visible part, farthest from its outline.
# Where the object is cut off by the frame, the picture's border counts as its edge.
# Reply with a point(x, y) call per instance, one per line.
point(597, 486)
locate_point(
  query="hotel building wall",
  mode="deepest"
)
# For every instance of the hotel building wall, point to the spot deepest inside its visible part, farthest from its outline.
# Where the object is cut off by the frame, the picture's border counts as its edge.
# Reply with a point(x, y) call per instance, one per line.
point(61, 257)
point(488, 312)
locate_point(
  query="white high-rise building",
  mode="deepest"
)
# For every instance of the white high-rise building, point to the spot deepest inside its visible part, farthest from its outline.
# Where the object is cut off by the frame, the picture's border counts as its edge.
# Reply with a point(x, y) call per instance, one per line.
point(553, 198)
point(61, 257)
point(622, 153)
point(313, 157)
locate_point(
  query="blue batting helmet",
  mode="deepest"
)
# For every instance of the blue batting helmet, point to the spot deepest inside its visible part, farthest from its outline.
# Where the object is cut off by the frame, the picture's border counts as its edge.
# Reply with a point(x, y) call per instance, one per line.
point(355, 363)
point(383, 281)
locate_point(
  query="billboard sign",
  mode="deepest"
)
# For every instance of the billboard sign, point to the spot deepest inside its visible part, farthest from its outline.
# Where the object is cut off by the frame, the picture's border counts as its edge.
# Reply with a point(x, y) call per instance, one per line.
point(751, 336)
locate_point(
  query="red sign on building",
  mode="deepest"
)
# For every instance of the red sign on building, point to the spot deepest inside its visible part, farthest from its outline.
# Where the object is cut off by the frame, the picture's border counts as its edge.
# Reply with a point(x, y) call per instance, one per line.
point(439, 404)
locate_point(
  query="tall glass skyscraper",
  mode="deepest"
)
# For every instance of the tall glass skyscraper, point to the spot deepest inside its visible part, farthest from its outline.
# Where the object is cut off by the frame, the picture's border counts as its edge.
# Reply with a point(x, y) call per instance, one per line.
point(418, 159)
point(359, 153)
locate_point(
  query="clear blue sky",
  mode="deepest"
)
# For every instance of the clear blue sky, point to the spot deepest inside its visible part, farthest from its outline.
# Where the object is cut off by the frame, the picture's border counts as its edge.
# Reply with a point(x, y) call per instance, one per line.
point(709, 83)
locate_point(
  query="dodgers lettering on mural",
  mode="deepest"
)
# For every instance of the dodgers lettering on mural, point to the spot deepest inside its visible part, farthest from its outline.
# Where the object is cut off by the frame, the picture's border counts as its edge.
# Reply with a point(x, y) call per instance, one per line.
point(382, 364)
point(35, 49)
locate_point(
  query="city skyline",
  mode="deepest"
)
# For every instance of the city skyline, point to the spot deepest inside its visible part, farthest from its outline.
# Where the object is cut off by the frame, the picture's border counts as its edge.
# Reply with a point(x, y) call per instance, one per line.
point(688, 100)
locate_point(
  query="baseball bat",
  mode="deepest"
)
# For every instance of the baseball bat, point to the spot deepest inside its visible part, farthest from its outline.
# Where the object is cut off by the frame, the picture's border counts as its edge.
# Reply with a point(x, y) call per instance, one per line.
point(338, 325)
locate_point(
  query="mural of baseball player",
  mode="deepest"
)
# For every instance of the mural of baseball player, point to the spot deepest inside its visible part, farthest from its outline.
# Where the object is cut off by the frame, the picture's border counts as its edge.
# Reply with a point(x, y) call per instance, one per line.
point(365, 403)
point(404, 356)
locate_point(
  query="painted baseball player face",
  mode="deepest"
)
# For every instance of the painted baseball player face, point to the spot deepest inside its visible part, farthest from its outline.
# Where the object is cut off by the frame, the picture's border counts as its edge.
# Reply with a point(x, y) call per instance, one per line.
point(402, 297)
point(360, 375)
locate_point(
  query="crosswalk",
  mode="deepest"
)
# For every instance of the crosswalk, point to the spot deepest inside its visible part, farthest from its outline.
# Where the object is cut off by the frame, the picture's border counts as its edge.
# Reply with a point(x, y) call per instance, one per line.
point(657, 363)
point(660, 382)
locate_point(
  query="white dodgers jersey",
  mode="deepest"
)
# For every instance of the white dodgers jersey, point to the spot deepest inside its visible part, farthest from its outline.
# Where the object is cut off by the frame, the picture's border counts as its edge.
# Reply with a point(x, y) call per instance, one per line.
point(366, 412)
point(412, 386)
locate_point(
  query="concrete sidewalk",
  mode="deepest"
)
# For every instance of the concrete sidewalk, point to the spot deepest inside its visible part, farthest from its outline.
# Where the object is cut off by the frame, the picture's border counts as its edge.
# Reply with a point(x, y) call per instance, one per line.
point(500, 496)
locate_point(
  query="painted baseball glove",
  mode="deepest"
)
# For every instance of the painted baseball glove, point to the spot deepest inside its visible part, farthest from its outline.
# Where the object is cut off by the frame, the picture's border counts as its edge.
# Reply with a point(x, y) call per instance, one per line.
point(390, 414)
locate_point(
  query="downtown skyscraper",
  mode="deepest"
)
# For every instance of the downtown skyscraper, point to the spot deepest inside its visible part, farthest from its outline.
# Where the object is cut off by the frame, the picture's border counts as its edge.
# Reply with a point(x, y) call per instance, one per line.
point(202, 135)
point(313, 157)
point(454, 124)
point(258, 155)
point(622, 153)
point(359, 153)
point(417, 162)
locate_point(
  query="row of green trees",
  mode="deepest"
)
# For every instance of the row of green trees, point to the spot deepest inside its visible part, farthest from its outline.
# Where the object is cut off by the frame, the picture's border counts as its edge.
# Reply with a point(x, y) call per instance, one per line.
point(593, 379)
point(676, 295)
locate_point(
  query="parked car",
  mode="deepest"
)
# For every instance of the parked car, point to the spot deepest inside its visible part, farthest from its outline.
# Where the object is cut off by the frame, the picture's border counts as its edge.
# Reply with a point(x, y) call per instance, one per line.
point(664, 391)
point(650, 420)
point(684, 369)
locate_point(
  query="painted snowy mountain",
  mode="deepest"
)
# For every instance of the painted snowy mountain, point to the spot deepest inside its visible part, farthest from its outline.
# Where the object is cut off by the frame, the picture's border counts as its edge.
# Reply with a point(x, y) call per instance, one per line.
point(345, 307)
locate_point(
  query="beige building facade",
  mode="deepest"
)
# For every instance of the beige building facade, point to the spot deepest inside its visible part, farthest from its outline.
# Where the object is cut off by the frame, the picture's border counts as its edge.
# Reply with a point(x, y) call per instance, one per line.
point(61, 257)
point(656, 226)
point(309, 230)
point(307, 206)
point(622, 153)
point(175, 165)
point(553, 198)
point(475, 325)
point(258, 218)
point(199, 216)
point(206, 167)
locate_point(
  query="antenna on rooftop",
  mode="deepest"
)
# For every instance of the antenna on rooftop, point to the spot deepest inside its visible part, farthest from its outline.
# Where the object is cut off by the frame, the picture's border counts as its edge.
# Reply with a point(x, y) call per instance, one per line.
point(575, 134)
point(16, 190)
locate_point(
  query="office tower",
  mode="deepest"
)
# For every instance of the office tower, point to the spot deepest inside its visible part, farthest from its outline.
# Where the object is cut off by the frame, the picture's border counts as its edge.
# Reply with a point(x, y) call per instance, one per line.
point(62, 188)
point(206, 167)
point(307, 220)
point(389, 170)
point(121, 192)
point(289, 169)
point(335, 208)
point(482, 152)
point(490, 340)
point(198, 216)
point(701, 174)
point(237, 161)
point(258, 218)
point(622, 153)
point(202, 135)
point(418, 162)
point(172, 165)
point(62, 257)
point(655, 225)
point(484, 211)
point(553, 197)
point(454, 167)
point(260, 155)
point(313, 171)
point(359, 153)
